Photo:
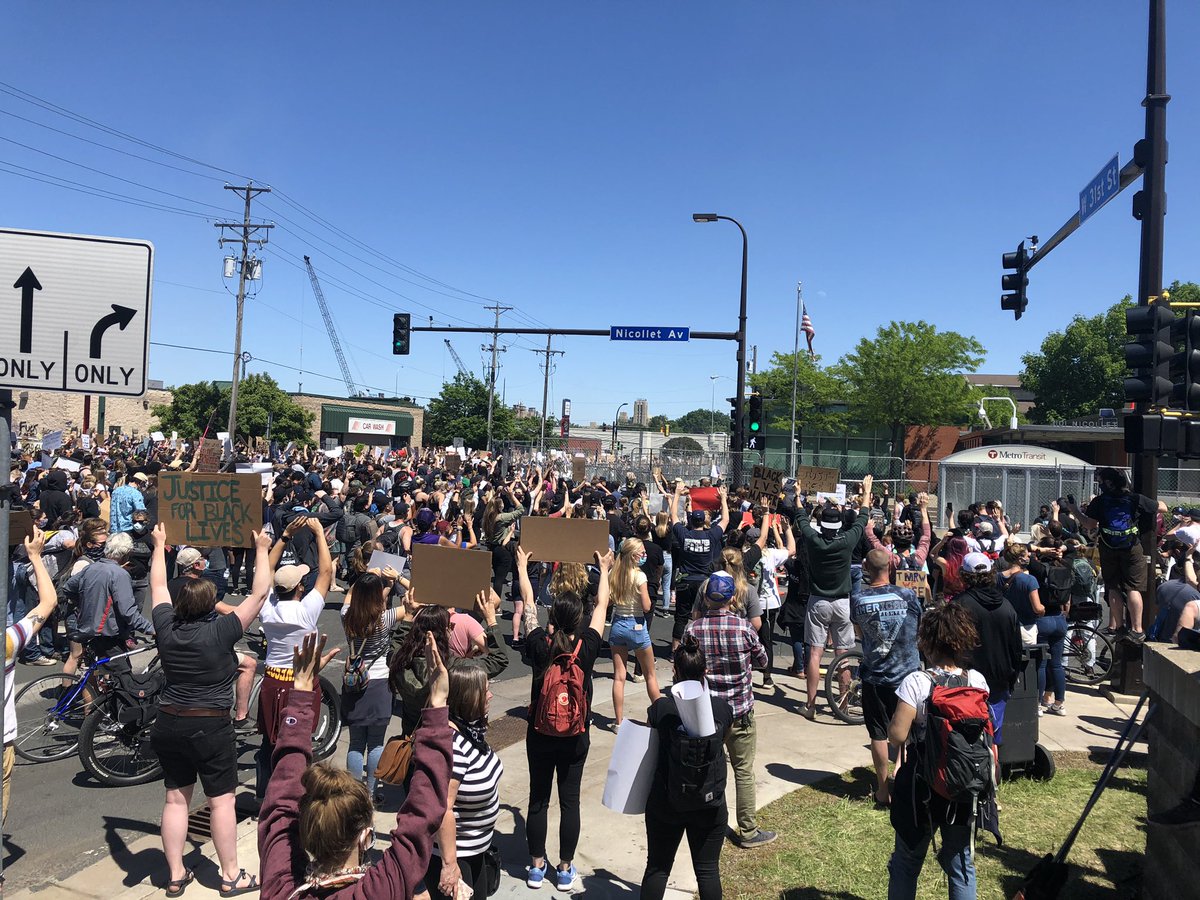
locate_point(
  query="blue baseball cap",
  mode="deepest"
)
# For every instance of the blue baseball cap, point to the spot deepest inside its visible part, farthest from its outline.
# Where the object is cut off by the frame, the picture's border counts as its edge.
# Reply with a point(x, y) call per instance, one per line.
point(720, 588)
point(696, 518)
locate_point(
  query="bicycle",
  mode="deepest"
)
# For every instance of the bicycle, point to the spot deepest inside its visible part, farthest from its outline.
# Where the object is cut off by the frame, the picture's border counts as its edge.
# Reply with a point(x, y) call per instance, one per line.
point(1088, 654)
point(843, 686)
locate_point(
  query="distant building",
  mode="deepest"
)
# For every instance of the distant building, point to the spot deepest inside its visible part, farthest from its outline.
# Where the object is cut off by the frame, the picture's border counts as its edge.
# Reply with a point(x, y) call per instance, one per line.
point(641, 413)
point(622, 418)
point(1005, 385)
point(521, 411)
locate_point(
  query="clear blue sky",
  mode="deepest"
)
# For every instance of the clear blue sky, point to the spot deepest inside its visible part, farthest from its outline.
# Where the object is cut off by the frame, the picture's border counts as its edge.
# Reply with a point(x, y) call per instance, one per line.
point(550, 156)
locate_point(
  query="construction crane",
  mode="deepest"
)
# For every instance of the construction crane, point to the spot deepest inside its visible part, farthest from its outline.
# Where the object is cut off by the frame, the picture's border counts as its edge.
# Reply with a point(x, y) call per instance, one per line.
point(462, 370)
point(351, 388)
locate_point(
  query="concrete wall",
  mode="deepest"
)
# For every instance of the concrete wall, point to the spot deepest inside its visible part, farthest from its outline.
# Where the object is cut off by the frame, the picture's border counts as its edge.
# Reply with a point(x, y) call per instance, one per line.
point(314, 402)
point(42, 411)
point(1173, 678)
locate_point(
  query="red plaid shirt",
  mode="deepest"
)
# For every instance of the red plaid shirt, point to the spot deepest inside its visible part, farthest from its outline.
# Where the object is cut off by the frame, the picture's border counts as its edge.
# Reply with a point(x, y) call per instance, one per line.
point(730, 646)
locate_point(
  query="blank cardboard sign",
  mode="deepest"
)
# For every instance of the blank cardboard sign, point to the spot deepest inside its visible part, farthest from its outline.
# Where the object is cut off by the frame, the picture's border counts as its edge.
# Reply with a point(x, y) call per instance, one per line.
point(564, 540)
point(210, 510)
point(453, 463)
point(20, 526)
point(578, 469)
point(448, 576)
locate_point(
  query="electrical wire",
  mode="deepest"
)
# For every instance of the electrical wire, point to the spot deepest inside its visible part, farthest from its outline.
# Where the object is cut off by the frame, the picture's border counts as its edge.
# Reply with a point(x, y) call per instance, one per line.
point(67, 184)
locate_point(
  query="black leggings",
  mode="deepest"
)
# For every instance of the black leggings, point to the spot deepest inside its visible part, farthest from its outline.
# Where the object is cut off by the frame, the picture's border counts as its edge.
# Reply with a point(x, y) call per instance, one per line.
point(502, 567)
point(766, 634)
point(705, 833)
point(470, 870)
point(550, 757)
point(685, 598)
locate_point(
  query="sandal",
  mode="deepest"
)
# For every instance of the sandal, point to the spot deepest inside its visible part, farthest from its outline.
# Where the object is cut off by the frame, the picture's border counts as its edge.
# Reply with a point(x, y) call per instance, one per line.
point(230, 889)
point(177, 887)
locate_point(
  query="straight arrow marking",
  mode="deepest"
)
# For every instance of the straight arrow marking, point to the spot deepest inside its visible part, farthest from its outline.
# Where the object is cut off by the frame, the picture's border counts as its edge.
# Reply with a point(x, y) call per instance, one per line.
point(28, 283)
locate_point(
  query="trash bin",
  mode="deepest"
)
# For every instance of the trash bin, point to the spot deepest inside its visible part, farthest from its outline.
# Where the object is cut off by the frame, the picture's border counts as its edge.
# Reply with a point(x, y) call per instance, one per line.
point(1021, 754)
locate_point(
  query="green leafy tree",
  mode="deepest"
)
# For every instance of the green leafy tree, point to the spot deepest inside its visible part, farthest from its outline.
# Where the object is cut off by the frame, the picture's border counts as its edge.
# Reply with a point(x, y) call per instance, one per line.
point(821, 394)
point(204, 404)
point(910, 373)
point(702, 421)
point(657, 422)
point(460, 410)
point(1080, 370)
point(683, 443)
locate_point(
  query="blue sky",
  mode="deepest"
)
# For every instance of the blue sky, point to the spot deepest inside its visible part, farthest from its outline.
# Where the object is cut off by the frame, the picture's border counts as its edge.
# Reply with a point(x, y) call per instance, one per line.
point(550, 156)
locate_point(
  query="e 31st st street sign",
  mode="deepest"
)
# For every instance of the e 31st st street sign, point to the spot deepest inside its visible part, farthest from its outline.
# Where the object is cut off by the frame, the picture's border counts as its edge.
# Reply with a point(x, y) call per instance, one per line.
point(1101, 189)
point(74, 312)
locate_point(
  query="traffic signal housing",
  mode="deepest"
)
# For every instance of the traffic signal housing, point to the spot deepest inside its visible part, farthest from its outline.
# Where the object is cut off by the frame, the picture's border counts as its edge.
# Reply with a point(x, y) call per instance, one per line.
point(1185, 364)
point(401, 323)
point(754, 419)
point(1015, 282)
point(734, 416)
point(1151, 330)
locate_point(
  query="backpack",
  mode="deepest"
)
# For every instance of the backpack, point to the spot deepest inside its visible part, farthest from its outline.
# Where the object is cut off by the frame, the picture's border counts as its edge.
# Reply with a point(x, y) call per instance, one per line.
point(958, 752)
point(1118, 520)
point(1060, 580)
point(388, 540)
point(562, 709)
point(356, 674)
point(1084, 584)
point(348, 527)
point(696, 771)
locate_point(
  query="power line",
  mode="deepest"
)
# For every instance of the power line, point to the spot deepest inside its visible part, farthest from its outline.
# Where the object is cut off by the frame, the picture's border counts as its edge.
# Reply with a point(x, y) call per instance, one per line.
point(78, 187)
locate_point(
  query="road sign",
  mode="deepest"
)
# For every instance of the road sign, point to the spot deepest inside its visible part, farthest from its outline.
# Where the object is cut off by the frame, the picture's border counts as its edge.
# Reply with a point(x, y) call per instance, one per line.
point(647, 333)
point(1101, 189)
point(77, 315)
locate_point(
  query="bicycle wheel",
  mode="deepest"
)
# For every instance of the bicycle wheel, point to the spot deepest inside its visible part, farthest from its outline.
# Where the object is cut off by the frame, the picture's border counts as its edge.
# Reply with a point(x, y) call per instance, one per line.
point(114, 754)
point(1088, 654)
point(50, 711)
point(843, 687)
point(329, 724)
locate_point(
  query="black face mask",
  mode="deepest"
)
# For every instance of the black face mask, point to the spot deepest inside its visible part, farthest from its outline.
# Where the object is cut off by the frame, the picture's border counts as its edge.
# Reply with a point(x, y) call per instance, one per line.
point(94, 553)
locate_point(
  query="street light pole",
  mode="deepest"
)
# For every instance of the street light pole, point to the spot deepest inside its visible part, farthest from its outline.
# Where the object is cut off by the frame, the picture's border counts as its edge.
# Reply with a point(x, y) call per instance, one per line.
point(739, 437)
point(616, 415)
point(712, 415)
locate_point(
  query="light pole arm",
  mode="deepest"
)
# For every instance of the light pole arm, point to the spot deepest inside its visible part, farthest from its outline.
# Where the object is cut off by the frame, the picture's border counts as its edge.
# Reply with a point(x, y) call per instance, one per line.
point(1009, 400)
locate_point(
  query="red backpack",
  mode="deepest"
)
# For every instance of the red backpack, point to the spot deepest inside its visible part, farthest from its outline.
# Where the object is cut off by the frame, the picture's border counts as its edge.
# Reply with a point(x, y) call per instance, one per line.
point(562, 708)
point(959, 748)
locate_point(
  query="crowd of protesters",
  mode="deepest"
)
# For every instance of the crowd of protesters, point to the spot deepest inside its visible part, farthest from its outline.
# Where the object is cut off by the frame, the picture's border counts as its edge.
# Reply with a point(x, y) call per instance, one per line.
point(733, 572)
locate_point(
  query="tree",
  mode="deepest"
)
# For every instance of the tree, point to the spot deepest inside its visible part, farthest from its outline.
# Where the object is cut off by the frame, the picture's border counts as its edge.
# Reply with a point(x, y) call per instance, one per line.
point(683, 443)
point(821, 395)
point(657, 423)
point(460, 410)
point(702, 421)
point(911, 374)
point(1080, 370)
point(205, 405)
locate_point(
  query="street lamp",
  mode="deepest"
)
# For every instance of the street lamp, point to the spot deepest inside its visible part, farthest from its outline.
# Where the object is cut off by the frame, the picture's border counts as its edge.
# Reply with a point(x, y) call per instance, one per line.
point(739, 439)
point(1012, 422)
point(616, 416)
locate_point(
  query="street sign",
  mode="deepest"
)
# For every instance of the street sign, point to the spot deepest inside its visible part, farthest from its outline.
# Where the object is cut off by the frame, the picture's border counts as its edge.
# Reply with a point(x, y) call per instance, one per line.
point(77, 315)
point(647, 333)
point(1101, 189)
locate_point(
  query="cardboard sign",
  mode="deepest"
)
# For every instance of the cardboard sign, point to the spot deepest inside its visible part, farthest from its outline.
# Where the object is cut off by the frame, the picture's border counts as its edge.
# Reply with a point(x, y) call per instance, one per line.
point(85, 441)
point(380, 560)
point(157, 436)
point(707, 499)
point(564, 540)
point(210, 510)
point(448, 576)
point(210, 456)
point(816, 478)
point(578, 469)
point(453, 463)
point(52, 440)
point(913, 580)
point(106, 508)
point(20, 526)
point(766, 481)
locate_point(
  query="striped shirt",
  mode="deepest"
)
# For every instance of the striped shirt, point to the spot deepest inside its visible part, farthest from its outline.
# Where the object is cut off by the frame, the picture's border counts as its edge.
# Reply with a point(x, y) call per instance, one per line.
point(478, 771)
point(15, 638)
point(373, 648)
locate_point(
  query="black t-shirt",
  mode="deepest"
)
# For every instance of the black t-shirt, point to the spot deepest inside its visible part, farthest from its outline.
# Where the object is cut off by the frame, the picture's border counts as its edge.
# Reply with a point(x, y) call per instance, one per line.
point(198, 658)
point(699, 551)
point(539, 654)
point(664, 717)
point(1119, 512)
point(55, 504)
point(653, 568)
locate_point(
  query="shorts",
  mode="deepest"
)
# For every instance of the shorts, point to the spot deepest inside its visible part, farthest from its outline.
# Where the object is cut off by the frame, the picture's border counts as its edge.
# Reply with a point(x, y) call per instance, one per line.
point(196, 746)
point(827, 617)
point(879, 705)
point(1123, 570)
point(629, 632)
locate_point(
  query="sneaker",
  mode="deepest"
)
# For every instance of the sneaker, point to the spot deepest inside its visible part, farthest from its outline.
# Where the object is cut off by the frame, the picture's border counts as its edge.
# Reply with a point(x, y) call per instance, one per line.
point(40, 661)
point(1058, 709)
point(1135, 637)
point(566, 878)
point(536, 876)
point(809, 712)
point(1041, 710)
point(759, 840)
point(768, 681)
point(636, 678)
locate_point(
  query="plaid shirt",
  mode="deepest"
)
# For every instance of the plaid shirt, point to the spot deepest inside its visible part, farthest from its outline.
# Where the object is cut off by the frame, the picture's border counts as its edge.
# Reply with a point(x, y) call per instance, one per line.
point(730, 645)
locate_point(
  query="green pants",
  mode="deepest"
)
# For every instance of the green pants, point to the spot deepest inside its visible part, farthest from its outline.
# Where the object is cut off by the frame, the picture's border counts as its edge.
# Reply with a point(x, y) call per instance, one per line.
point(740, 744)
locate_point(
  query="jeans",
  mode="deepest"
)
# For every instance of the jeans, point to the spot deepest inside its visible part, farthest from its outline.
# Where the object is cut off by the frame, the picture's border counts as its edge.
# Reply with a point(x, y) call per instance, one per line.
point(740, 743)
point(22, 600)
point(550, 758)
point(855, 579)
point(954, 856)
point(665, 588)
point(1052, 630)
point(243, 559)
point(705, 831)
point(997, 704)
point(799, 648)
point(368, 739)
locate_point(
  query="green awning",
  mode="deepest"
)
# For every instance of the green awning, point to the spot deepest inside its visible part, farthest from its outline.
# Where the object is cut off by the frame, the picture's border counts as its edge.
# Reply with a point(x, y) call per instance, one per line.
point(335, 419)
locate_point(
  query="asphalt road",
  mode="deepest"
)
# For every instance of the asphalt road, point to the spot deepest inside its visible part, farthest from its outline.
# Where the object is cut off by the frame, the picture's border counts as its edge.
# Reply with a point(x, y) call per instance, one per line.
point(61, 820)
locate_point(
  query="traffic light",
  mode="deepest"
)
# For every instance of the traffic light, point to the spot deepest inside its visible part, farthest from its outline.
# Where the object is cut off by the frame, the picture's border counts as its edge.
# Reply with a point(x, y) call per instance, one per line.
point(1148, 353)
point(754, 422)
point(1185, 365)
point(734, 417)
point(1015, 282)
point(400, 326)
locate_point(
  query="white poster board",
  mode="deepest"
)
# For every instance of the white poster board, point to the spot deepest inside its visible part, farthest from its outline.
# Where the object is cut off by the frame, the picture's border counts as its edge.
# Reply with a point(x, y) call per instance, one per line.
point(631, 769)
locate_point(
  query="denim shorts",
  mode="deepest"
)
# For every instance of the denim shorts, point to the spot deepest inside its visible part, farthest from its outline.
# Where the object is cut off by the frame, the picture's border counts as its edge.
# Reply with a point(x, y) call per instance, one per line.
point(629, 632)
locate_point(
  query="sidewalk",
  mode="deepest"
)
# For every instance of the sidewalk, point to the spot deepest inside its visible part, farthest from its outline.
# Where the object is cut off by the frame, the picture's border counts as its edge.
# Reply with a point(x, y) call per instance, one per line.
point(792, 752)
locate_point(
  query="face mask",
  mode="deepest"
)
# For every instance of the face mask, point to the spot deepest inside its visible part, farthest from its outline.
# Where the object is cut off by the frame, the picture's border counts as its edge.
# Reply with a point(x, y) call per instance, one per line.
point(140, 527)
point(94, 553)
point(642, 560)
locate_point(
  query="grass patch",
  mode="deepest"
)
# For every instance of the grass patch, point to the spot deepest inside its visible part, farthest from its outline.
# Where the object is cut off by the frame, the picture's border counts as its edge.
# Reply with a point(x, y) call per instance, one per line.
point(834, 845)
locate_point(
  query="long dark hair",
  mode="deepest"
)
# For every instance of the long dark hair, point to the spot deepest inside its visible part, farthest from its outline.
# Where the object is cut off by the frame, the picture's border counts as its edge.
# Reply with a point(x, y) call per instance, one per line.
point(435, 619)
point(566, 615)
point(367, 603)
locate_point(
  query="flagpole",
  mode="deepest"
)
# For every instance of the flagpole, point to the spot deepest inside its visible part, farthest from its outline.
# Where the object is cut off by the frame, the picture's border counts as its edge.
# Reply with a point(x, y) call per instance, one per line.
point(795, 376)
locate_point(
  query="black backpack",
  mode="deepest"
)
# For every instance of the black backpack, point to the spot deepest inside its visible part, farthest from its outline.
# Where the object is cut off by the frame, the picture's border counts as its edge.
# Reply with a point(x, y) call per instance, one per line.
point(695, 771)
point(348, 528)
point(1060, 579)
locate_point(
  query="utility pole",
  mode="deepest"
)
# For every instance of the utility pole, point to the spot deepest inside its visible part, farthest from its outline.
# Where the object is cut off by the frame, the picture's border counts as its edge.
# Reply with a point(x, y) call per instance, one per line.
point(497, 309)
point(546, 384)
point(754, 360)
point(247, 229)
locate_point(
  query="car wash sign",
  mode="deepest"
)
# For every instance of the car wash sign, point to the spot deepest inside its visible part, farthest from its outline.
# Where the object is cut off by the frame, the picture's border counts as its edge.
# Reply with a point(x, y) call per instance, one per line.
point(74, 312)
point(371, 426)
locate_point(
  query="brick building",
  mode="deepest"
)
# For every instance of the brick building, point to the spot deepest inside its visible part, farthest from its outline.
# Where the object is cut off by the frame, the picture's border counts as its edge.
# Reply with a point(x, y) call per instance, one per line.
point(362, 420)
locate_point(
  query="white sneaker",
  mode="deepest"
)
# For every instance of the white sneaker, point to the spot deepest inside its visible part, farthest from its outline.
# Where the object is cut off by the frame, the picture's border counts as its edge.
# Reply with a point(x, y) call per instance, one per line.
point(1058, 709)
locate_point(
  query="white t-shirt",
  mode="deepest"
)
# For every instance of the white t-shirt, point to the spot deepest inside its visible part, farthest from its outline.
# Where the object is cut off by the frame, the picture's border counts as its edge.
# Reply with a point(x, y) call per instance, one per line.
point(772, 559)
point(285, 622)
point(1192, 531)
point(916, 687)
point(15, 638)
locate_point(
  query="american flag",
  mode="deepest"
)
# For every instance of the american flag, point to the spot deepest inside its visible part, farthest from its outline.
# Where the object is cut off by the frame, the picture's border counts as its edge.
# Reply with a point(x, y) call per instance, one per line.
point(806, 326)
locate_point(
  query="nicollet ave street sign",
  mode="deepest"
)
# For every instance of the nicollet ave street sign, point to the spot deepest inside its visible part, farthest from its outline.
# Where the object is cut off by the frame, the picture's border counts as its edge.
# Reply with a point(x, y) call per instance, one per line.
point(77, 315)
point(648, 333)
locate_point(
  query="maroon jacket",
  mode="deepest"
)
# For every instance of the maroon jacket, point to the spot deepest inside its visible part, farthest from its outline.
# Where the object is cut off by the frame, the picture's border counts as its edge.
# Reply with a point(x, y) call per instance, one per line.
point(282, 861)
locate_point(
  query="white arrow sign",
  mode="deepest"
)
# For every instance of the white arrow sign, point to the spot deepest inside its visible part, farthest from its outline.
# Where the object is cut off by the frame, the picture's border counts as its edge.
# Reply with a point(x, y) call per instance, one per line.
point(74, 312)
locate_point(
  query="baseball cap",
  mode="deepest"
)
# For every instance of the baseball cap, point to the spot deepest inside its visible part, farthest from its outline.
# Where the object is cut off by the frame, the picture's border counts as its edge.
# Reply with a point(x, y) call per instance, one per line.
point(973, 563)
point(140, 477)
point(188, 557)
point(720, 587)
point(287, 577)
point(831, 518)
point(984, 528)
point(1193, 513)
point(426, 518)
point(1179, 511)
point(696, 518)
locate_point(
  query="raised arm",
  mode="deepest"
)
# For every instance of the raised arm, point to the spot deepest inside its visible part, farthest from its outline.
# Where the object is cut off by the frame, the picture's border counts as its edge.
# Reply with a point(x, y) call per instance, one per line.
point(324, 560)
point(605, 564)
point(674, 510)
point(723, 493)
point(529, 613)
point(248, 610)
point(47, 598)
point(159, 596)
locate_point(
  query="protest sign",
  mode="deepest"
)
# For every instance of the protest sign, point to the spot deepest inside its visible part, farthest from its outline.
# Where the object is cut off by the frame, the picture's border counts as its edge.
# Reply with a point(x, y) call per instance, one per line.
point(157, 437)
point(458, 443)
point(448, 576)
point(20, 526)
point(838, 497)
point(210, 455)
point(106, 508)
point(914, 580)
point(631, 769)
point(210, 510)
point(707, 499)
point(453, 463)
point(816, 478)
point(51, 440)
point(380, 560)
point(66, 463)
point(578, 468)
point(262, 469)
point(85, 441)
point(766, 481)
point(564, 540)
